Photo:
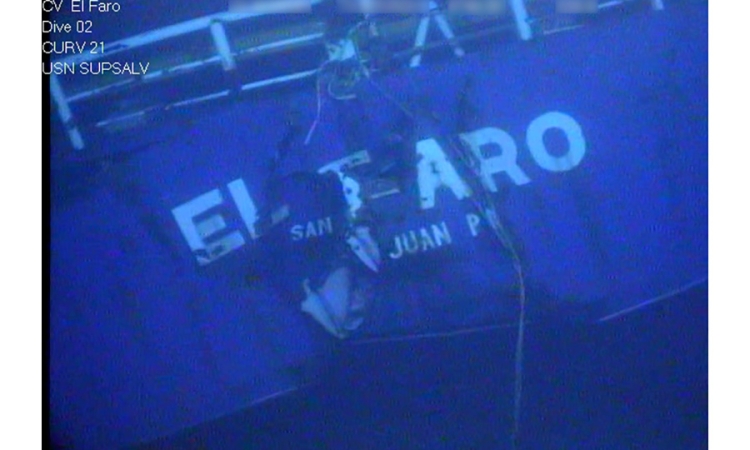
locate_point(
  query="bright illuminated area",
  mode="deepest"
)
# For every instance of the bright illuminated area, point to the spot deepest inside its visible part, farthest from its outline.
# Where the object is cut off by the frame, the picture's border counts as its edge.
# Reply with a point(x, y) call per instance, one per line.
point(576, 6)
point(383, 6)
point(270, 6)
point(478, 7)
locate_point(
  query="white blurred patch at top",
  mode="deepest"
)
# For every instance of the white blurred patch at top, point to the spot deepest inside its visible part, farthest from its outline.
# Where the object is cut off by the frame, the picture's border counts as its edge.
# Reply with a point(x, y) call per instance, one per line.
point(383, 6)
point(576, 6)
point(270, 6)
point(478, 7)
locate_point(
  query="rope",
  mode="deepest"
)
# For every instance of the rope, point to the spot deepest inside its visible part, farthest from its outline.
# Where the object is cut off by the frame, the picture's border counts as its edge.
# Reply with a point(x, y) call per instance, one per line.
point(504, 237)
point(489, 213)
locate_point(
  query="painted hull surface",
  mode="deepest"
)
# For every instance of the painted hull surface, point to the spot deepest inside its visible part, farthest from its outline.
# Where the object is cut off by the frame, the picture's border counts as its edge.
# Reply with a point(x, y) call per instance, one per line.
point(595, 142)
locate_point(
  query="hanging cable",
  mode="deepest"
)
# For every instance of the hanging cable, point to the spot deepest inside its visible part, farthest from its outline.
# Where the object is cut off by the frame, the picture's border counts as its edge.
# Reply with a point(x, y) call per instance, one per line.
point(355, 76)
point(504, 238)
point(319, 109)
point(488, 211)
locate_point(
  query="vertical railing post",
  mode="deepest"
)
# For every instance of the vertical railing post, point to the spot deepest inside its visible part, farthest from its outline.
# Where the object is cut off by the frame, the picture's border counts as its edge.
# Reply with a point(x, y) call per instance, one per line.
point(221, 42)
point(522, 19)
point(444, 28)
point(65, 114)
point(420, 40)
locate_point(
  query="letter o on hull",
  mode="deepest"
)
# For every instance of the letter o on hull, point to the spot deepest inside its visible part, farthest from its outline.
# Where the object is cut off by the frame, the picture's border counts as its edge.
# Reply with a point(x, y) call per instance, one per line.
point(573, 132)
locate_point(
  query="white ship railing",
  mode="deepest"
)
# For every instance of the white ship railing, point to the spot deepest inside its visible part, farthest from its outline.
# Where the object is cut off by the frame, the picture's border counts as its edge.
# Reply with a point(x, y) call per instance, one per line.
point(226, 57)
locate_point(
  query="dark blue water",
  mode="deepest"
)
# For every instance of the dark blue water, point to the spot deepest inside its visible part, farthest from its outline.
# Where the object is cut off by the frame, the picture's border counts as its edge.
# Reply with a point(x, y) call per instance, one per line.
point(640, 382)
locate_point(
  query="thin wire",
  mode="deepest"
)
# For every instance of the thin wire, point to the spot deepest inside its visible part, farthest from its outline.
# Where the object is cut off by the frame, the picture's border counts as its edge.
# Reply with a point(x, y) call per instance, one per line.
point(503, 236)
point(656, 299)
point(319, 88)
point(519, 356)
point(320, 108)
point(436, 335)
